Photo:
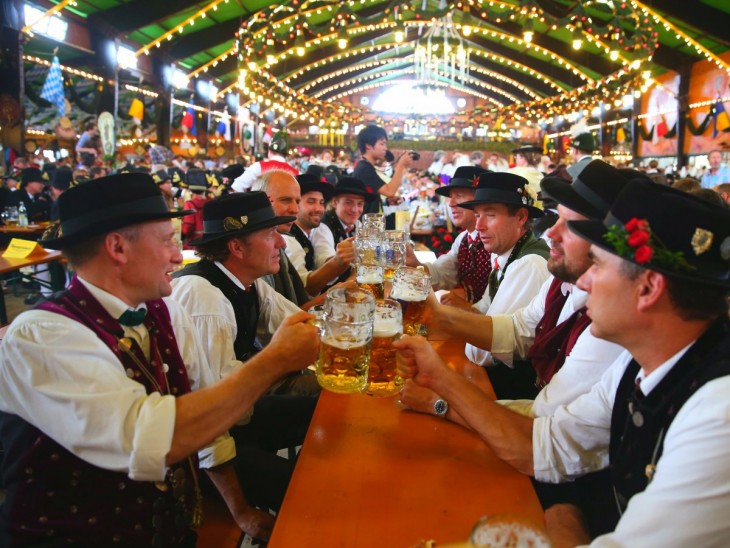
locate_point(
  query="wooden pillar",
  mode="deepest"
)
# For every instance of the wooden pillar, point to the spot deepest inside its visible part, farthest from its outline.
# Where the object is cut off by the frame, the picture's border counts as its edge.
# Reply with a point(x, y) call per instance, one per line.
point(163, 103)
point(12, 89)
point(682, 111)
point(635, 131)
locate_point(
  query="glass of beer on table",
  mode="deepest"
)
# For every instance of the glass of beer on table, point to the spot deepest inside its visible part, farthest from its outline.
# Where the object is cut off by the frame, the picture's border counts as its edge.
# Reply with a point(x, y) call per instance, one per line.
point(383, 379)
point(411, 287)
point(347, 330)
point(394, 252)
point(370, 278)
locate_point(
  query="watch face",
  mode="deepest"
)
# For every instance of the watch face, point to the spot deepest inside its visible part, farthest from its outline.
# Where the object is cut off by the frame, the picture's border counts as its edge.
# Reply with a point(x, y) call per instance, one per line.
point(440, 407)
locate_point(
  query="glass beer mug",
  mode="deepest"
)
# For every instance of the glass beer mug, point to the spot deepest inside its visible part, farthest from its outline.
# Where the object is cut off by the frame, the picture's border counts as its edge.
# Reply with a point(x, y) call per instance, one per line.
point(347, 330)
point(370, 278)
point(394, 252)
point(411, 287)
point(383, 379)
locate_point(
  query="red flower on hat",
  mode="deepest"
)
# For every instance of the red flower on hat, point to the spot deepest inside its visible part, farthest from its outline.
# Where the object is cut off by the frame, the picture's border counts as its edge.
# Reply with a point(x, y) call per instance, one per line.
point(475, 181)
point(643, 254)
point(638, 238)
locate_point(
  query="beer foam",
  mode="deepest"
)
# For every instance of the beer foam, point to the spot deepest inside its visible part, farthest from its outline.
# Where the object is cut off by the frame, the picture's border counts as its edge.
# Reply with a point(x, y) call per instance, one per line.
point(370, 279)
point(343, 345)
point(509, 534)
point(386, 327)
point(410, 294)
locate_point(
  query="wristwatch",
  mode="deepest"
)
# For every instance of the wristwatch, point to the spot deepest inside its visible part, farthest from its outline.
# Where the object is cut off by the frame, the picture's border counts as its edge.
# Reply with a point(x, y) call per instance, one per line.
point(440, 408)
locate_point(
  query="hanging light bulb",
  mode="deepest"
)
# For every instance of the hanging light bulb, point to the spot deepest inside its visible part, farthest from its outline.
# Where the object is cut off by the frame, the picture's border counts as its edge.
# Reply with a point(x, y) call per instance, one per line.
point(400, 32)
point(613, 54)
point(342, 37)
point(300, 44)
point(528, 31)
point(578, 36)
point(466, 30)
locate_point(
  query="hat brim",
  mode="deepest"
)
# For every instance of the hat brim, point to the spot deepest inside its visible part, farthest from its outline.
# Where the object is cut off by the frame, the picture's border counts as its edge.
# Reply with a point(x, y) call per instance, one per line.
point(532, 211)
point(594, 231)
point(445, 191)
point(268, 223)
point(364, 193)
point(110, 225)
point(563, 192)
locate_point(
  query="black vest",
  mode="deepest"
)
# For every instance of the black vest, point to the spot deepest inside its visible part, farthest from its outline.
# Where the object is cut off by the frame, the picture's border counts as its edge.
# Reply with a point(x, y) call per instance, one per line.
point(639, 423)
point(306, 244)
point(245, 304)
point(529, 246)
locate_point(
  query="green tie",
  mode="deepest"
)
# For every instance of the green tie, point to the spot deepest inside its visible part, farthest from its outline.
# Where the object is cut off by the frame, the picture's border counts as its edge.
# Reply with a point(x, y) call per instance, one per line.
point(130, 317)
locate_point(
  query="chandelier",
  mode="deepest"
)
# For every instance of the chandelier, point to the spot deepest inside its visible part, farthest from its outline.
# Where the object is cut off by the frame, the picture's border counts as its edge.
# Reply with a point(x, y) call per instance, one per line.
point(441, 58)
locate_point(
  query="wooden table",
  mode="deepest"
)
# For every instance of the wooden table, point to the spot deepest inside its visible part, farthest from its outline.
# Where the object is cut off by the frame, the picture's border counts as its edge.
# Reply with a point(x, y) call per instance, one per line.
point(8, 265)
point(31, 229)
point(371, 474)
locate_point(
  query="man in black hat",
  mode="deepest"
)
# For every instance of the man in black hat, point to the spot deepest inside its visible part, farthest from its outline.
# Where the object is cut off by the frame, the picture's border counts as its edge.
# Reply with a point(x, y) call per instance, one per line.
point(96, 403)
point(236, 312)
point(349, 199)
point(276, 152)
point(30, 193)
point(372, 141)
point(581, 152)
point(566, 359)
point(300, 246)
point(467, 264)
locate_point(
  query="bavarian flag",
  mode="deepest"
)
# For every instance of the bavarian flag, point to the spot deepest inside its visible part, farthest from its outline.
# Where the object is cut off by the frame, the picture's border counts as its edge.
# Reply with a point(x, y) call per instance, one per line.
point(721, 120)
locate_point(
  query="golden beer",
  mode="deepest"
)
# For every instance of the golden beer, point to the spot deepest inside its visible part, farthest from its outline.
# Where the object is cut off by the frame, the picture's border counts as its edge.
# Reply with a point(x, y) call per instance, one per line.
point(383, 379)
point(412, 312)
point(389, 273)
point(343, 364)
point(375, 288)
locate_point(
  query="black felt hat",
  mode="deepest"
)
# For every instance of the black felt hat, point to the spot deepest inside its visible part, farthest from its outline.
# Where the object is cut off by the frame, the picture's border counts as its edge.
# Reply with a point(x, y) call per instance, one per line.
point(527, 149)
point(161, 176)
point(33, 175)
point(234, 171)
point(464, 177)
point(591, 193)
point(311, 183)
point(196, 180)
point(62, 178)
point(667, 230)
point(236, 214)
point(106, 204)
point(503, 188)
point(353, 185)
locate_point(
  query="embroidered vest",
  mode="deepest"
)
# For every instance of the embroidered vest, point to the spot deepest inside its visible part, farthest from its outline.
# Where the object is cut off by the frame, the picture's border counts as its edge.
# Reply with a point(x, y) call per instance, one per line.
point(333, 222)
point(268, 165)
point(639, 423)
point(245, 304)
point(527, 245)
point(553, 341)
point(306, 244)
point(473, 268)
point(54, 497)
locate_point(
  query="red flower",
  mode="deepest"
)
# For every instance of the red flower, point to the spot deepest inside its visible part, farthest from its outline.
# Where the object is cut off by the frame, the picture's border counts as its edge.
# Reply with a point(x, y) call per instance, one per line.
point(638, 238)
point(643, 254)
point(636, 224)
point(475, 181)
point(448, 238)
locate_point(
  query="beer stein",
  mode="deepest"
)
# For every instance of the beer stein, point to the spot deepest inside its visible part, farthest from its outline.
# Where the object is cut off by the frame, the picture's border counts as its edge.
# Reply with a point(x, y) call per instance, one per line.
point(371, 225)
point(10, 216)
point(368, 251)
point(383, 379)
point(411, 287)
point(347, 330)
point(394, 252)
point(370, 278)
point(504, 531)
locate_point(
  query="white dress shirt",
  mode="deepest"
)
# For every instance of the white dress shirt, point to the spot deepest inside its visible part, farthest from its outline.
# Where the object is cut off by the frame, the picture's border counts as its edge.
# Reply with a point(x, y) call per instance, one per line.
point(57, 375)
point(523, 279)
point(323, 243)
point(244, 182)
point(582, 368)
point(688, 501)
point(444, 272)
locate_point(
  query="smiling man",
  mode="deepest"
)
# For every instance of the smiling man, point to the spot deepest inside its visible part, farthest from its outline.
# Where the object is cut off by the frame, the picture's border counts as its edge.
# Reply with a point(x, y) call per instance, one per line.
point(107, 384)
point(300, 247)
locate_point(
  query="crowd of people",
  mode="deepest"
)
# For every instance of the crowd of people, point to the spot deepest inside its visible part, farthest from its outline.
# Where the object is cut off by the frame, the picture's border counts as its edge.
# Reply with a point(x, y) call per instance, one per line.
point(593, 300)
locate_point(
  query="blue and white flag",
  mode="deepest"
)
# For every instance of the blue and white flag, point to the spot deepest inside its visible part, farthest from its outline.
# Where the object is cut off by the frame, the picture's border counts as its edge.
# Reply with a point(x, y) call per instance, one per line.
point(53, 88)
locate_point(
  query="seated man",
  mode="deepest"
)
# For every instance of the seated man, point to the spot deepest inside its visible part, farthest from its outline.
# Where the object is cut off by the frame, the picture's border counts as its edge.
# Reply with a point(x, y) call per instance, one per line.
point(658, 418)
point(106, 396)
point(300, 247)
point(235, 313)
point(466, 265)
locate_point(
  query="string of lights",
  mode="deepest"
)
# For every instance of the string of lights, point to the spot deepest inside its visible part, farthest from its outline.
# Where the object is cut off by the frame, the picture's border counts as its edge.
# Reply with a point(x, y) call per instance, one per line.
point(28, 29)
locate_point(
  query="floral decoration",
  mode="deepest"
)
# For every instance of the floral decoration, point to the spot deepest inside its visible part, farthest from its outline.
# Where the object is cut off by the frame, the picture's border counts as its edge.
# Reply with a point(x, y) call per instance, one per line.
point(636, 241)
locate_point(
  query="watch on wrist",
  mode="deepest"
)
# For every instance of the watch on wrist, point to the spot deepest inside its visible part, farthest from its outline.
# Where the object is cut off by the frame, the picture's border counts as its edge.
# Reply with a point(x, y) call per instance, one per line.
point(440, 408)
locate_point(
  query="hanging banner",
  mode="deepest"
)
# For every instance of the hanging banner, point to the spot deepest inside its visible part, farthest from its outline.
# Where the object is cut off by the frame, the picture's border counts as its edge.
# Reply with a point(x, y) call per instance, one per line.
point(660, 106)
point(710, 127)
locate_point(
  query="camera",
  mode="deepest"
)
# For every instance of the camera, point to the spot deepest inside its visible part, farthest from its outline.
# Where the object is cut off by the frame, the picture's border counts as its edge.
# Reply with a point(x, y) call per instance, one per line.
point(414, 155)
point(389, 156)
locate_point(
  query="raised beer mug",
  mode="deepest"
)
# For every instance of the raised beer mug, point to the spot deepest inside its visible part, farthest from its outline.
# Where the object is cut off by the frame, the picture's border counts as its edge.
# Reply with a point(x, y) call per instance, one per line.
point(393, 252)
point(371, 225)
point(411, 287)
point(370, 278)
point(347, 330)
point(368, 251)
point(383, 379)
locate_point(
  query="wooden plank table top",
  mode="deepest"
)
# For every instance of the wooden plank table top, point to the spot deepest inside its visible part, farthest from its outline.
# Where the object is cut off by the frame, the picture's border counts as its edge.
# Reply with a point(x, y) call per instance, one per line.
point(32, 229)
point(8, 264)
point(372, 474)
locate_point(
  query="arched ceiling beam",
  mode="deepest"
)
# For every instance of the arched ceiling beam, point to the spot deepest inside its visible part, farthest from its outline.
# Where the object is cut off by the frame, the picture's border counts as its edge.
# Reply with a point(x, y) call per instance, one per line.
point(705, 19)
point(137, 14)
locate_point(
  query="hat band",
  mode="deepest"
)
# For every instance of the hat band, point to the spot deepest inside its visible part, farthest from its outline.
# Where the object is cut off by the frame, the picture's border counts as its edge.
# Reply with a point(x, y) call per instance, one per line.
point(232, 223)
point(152, 205)
point(585, 192)
point(498, 196)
